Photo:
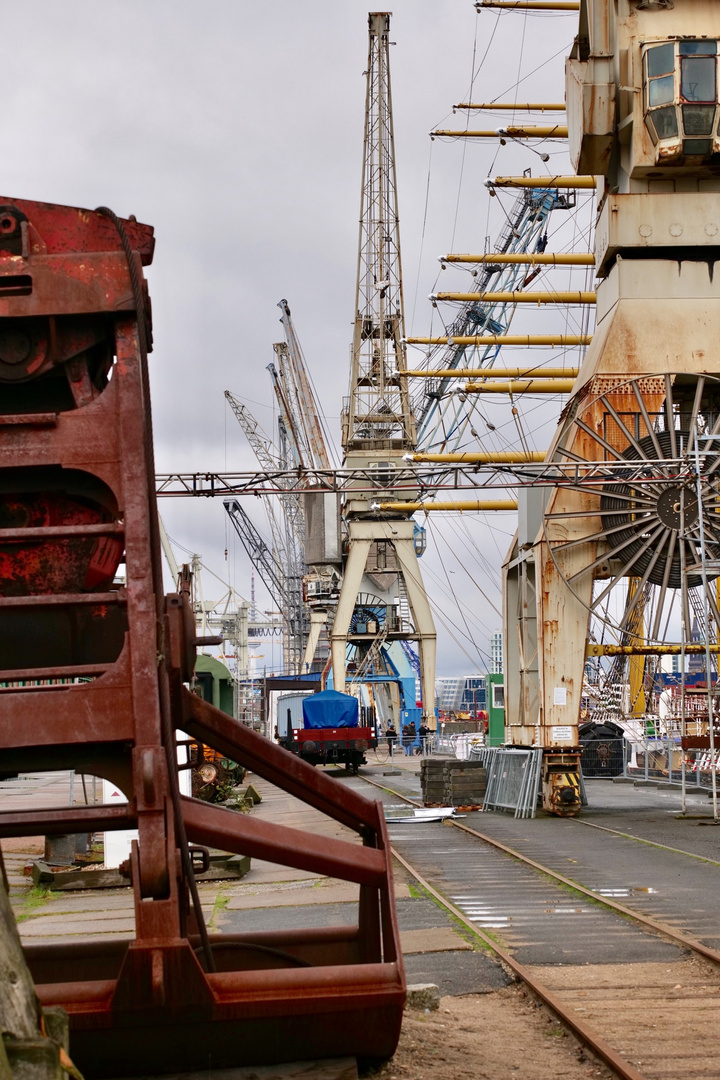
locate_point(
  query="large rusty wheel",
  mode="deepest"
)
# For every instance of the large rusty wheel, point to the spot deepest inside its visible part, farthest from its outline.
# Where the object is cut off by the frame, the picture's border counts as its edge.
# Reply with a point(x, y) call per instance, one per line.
point(635, 535)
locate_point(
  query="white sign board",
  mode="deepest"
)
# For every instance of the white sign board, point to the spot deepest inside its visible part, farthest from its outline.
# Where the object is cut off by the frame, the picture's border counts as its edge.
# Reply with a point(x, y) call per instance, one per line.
point(561, 734)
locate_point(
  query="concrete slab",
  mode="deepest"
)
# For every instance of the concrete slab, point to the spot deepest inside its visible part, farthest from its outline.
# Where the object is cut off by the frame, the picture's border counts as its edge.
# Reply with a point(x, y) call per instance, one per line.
point(46, 923)
point(285, 918)
point(457, 973)
point(440, 939)
point(92, 903)
point(267, 871)
point(297, 897)
point(291, 894)
point(85, 939)
point(414, 914)
point(63, 928)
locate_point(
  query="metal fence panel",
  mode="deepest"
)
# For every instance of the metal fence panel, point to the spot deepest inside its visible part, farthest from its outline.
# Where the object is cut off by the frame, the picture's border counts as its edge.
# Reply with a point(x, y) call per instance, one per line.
point(513, 779)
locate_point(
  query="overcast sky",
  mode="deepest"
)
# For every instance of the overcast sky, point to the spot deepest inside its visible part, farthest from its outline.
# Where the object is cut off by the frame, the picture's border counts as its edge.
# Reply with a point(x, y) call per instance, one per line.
point(235, 129)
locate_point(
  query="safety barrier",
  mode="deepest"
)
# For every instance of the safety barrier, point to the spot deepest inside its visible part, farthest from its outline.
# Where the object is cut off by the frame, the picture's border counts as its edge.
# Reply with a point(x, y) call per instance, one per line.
point(656, 760)
point(513, 779)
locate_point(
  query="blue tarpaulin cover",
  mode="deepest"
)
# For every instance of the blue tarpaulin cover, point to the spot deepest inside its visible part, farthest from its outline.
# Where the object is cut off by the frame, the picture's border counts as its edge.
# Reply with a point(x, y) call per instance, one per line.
point(329, 709)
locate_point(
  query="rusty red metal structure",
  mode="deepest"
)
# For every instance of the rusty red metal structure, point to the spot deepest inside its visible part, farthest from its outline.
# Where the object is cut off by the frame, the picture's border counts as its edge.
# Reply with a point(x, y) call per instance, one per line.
point(93, 677)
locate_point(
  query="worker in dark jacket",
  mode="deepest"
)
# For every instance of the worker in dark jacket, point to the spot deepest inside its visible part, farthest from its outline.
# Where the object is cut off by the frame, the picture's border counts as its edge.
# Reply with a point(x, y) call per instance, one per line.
point(424, 733)
point(391, 735)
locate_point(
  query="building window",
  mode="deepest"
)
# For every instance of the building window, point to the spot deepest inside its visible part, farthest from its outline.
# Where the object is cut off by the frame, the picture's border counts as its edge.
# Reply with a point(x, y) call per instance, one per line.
point(681, 96)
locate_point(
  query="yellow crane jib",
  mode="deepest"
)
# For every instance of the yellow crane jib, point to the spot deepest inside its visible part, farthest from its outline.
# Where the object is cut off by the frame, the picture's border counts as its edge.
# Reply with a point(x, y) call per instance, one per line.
point(530, 5)
point(503, 339)
point(499, 106)
point(525, 131)
point(576, 182)
point(520, 386)
point(570, 258)
point(571, 296)
point(482, 457)
point(495, 373)
point(448, 507)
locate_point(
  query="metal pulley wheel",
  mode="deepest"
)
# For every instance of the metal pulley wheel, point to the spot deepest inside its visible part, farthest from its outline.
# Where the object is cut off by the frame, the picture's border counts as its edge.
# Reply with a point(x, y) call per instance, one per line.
point(208, 773)
point(635, 534)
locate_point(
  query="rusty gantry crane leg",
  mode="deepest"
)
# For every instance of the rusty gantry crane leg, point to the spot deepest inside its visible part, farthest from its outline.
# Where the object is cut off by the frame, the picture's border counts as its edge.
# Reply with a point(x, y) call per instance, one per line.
point(92, 678)
point(624, 533)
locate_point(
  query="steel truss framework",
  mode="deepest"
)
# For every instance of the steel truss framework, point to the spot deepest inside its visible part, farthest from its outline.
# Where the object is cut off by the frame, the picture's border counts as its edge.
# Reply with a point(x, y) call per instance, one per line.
point(443, 418)
point(378, 412)
point(456, 477)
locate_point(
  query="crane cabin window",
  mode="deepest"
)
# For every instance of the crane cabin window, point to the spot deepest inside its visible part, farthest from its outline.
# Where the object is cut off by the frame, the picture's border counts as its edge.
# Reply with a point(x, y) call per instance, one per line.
point(681, 96)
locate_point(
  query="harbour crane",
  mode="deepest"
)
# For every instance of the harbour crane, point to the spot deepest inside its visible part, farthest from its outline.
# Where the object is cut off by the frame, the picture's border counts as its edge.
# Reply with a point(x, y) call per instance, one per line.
point(301, 445)
point(378, 425)
point(279, 583)
point(302, 430)
point(230, 616)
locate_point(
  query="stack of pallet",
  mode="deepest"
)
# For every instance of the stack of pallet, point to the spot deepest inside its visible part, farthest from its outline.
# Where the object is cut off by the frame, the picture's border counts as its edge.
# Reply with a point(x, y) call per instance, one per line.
point(452, 783)
point(432, 781)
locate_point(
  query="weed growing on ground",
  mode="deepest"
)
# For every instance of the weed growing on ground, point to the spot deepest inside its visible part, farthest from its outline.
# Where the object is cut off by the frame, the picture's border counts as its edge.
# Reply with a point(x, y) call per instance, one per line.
point(34, 899)
point(221, 902)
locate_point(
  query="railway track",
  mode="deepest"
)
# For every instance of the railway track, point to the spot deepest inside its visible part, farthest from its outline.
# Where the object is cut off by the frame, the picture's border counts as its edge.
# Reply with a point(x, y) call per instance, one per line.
point(641, 992)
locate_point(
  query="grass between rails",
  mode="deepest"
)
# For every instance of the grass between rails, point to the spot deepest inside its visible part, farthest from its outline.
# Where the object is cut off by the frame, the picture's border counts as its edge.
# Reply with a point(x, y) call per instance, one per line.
point(34, 899)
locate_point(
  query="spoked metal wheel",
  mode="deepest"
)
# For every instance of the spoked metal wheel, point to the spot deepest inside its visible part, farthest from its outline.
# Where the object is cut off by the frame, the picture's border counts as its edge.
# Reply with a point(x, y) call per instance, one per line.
point(634, 528)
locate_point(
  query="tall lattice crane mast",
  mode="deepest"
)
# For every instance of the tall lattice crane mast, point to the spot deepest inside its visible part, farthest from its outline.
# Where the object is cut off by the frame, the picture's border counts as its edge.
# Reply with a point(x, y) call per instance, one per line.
point(378, 426)
point(378, 410)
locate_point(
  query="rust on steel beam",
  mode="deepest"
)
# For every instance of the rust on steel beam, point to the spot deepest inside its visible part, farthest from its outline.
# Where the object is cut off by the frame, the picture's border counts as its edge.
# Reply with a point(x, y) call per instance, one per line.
point(239, 743)
point(74, 819)
point(72, 291)
point(322, 855)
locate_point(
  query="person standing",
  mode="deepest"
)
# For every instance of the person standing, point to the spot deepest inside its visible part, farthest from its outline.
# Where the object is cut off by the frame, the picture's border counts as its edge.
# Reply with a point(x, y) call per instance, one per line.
point(423, 732)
